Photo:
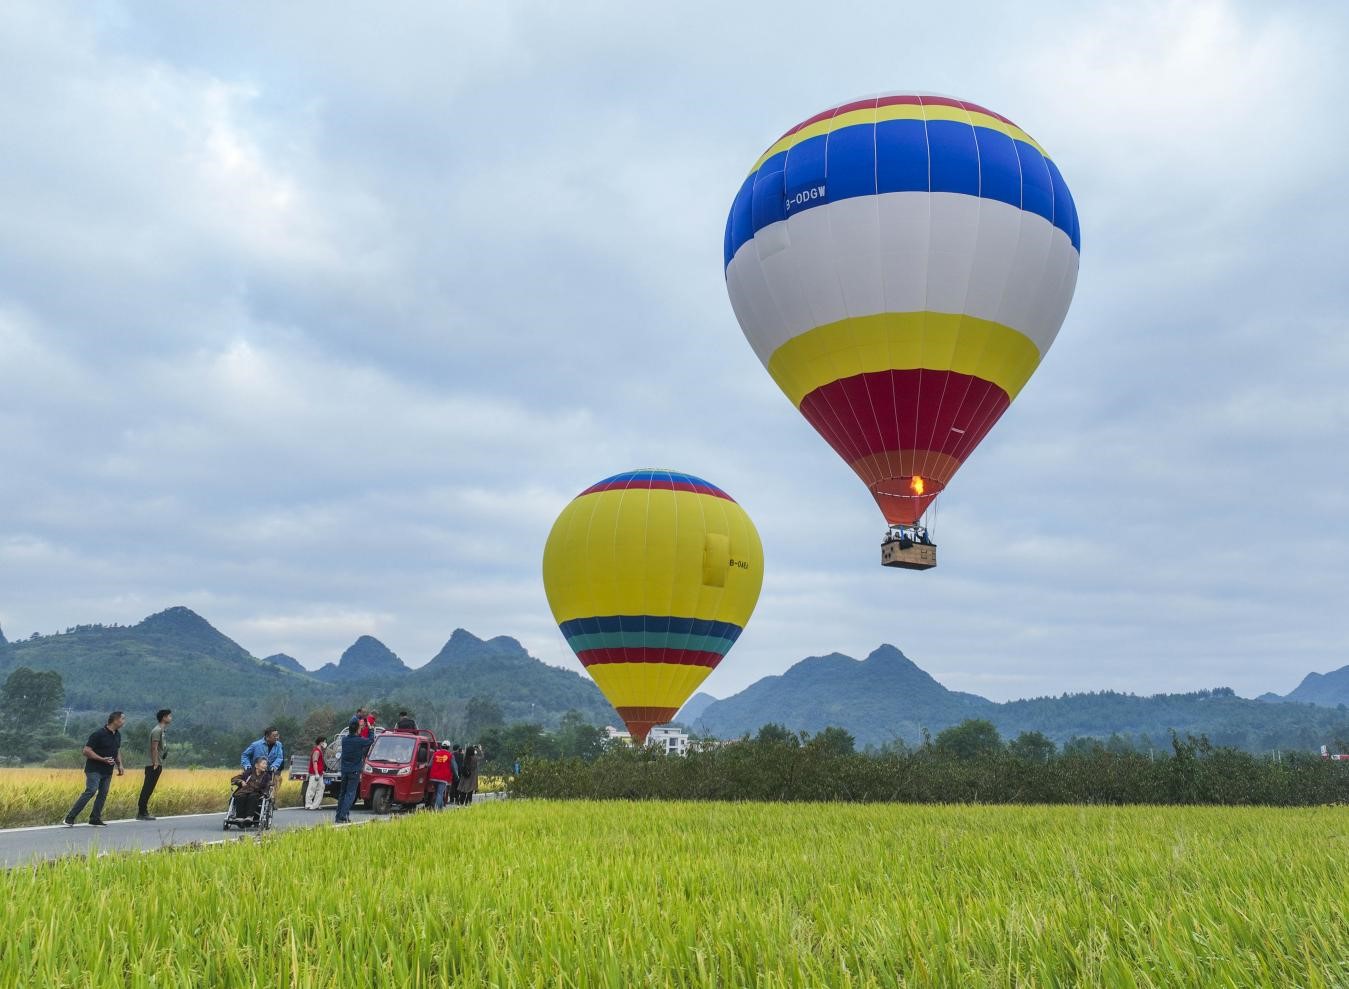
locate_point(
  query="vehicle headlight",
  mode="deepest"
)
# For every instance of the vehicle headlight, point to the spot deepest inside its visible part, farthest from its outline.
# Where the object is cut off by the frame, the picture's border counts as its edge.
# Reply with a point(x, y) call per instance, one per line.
point(405, 771)
point(367, 768)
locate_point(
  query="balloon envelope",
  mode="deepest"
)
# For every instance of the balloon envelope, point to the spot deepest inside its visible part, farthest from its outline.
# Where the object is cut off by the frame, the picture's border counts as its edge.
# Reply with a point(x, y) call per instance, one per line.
point(651, 576)
point(901, 264)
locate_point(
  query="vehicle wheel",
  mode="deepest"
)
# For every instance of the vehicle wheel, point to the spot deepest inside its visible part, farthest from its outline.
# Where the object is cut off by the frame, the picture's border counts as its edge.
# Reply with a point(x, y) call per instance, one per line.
point(381, 800)
point(227, 825)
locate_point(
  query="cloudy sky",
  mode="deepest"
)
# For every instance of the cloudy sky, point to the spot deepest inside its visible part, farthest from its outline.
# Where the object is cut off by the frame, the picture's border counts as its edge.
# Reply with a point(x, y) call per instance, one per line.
point(313, 321)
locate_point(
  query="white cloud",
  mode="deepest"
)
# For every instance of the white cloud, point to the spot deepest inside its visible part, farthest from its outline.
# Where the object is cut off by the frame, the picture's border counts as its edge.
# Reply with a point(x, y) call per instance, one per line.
point(315, 328)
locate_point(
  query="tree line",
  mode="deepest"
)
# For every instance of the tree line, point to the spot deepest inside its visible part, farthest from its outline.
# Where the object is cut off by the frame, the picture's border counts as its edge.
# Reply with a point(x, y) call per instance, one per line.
point(967, 763)
point(35, 728)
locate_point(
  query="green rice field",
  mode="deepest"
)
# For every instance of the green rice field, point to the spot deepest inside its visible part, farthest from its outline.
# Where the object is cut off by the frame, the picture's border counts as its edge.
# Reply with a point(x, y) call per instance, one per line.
point(622, 894)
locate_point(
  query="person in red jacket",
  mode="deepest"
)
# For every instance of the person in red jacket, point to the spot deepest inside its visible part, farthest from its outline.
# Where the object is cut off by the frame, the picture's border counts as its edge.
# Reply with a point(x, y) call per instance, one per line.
point(313, 793)
point(442, 773)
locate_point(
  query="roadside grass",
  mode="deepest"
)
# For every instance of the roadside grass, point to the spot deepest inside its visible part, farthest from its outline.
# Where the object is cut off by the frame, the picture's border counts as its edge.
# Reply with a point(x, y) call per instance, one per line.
point(43, 796)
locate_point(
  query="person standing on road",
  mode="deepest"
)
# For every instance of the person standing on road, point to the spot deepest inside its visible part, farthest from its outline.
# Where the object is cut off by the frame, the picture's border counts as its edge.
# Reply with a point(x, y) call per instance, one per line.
point(313, 793)
point(102, 754)
point(442, 773)
point(468, 778)
point(457, 763)
point(354, 748)
point(159, 750)
point(267, 747)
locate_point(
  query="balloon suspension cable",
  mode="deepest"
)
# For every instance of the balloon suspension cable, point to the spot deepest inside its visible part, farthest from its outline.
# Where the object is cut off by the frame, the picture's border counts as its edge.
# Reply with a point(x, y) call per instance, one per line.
point(912, 532)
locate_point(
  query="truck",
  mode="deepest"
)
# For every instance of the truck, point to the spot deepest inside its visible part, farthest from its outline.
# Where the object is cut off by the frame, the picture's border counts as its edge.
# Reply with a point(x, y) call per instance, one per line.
point(397, 770)
point(395, 774)
point(332, 761)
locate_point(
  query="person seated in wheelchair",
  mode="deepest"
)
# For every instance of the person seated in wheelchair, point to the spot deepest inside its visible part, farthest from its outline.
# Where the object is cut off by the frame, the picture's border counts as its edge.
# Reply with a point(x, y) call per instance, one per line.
point(250, 787)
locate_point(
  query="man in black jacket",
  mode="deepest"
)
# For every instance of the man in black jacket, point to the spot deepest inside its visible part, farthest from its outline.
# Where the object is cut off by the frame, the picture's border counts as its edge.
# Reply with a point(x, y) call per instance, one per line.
point(354, 748)
point(102, 754)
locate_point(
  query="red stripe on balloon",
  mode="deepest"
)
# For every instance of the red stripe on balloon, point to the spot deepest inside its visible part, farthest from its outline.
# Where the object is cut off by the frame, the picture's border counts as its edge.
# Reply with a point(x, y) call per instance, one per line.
point(867, 414)
point(656, 484)
point(649, 654)
point(906, 99)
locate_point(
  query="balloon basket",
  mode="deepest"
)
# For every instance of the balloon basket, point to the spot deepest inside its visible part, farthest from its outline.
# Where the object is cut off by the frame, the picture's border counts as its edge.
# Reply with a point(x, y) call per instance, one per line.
point(898, 551)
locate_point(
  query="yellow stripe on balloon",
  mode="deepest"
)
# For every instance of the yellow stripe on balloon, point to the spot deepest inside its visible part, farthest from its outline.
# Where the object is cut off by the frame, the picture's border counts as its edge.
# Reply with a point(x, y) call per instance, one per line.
point(900, 111)
point(902, 341)
point(647, 684)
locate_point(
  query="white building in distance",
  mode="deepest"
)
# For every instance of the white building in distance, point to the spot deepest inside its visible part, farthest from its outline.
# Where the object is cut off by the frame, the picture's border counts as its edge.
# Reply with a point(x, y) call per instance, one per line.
point(668, 738)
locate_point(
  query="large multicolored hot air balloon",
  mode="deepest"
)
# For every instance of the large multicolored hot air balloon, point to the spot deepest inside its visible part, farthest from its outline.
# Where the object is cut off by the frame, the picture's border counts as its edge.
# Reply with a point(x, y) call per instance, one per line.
point(901, 264)
point(652, 576)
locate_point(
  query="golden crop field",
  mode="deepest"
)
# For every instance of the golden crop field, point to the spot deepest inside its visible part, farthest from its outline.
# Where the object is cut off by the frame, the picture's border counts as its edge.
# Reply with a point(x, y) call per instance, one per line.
point(42, 796)
point(701, 895)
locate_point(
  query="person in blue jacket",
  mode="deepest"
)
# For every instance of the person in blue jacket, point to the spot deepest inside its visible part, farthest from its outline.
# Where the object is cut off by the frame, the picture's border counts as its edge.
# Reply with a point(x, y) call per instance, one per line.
point(354, 748)
point(267, 747)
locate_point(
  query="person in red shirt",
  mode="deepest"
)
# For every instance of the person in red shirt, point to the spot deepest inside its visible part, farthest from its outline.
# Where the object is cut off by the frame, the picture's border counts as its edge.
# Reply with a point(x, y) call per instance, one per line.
point(442, 772)
point(313, 794)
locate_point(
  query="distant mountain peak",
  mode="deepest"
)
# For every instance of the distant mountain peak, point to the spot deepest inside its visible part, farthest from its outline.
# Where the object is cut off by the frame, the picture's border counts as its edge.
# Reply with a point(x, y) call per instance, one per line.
point(367, 656)
point(694, 707)
point(1326, 689)
point(463, 645)
point(886, 653)
point(179, 620)
point(285, 662)
point(3, 640)
point(884, 696)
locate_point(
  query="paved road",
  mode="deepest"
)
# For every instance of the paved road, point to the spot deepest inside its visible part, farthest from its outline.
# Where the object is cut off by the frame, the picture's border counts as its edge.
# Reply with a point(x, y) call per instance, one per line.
point(21, 845)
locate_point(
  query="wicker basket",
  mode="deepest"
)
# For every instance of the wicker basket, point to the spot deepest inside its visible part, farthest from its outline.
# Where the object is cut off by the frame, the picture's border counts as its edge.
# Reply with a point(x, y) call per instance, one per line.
point(907, 554)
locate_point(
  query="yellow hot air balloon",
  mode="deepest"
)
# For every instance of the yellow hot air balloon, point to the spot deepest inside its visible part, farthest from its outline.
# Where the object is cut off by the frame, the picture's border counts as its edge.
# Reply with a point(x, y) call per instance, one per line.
point(651, 576)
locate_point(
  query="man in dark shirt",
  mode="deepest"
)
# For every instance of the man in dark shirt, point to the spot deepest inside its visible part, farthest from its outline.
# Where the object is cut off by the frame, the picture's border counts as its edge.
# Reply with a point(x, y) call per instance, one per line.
point(102, 754)
point(354, 748)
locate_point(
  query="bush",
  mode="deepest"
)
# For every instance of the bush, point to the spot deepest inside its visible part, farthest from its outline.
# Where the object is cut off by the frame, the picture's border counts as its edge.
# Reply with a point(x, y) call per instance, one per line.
point(72, 758)
point(780, 766)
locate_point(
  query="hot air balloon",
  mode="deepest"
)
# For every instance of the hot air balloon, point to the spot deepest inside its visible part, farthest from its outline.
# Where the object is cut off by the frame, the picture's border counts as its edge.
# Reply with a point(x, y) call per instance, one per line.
point(901, 265)
point(651, 576)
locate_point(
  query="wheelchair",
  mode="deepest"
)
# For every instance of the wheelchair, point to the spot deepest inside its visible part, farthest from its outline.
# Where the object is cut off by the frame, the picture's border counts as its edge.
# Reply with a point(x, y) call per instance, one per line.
point(237, 816)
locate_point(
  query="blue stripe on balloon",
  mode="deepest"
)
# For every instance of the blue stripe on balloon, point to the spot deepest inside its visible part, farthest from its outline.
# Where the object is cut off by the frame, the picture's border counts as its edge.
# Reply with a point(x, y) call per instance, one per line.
point(900, 156)
point(1065, 210)
point(999, 167)
point(659, 624)
point(739, 227)
point(953, 157)
point(673, 476)
point(1037, 189)
point(852, 162)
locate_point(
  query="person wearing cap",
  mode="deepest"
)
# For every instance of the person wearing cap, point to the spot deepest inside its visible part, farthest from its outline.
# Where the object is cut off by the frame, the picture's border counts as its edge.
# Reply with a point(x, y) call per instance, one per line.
point(354, 748)
point(442, 772)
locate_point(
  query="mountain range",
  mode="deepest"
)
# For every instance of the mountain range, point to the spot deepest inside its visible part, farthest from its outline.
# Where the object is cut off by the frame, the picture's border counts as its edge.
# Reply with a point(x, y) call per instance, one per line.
point(178, 659)
point(887, 698)
point(1326, 689)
